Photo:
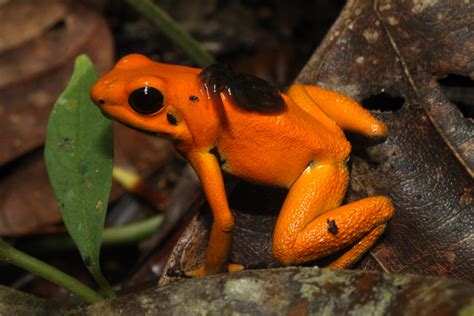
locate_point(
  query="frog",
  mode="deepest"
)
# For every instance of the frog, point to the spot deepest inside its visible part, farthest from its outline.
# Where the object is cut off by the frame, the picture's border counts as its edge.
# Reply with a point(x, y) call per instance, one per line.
point(223, 121)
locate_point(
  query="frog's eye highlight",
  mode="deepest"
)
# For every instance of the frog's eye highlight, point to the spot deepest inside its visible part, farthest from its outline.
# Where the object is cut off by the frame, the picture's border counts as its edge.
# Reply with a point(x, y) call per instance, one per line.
point(146, 100)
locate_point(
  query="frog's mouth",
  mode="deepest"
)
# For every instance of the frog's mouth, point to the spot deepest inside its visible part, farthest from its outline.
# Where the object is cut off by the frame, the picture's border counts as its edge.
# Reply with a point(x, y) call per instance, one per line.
point(141, 130)
point(106, 115)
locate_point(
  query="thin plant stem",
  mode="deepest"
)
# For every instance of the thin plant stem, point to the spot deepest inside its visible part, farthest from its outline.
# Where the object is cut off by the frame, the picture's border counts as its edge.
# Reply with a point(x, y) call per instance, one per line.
point(114, 236)
point(173, 31)
point(16, 257)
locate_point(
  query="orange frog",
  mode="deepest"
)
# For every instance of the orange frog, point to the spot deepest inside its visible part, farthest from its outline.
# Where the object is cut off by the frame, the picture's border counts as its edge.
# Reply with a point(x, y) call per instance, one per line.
point(222, 120)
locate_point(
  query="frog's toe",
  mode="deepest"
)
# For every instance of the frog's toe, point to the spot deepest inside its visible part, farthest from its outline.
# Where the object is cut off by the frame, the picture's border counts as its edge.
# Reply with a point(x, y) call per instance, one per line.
point(235, 267)
point(196, 273)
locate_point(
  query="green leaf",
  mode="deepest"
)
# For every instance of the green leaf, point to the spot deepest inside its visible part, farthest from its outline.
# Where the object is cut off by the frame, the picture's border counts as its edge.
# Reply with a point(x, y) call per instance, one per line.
point(79, 159)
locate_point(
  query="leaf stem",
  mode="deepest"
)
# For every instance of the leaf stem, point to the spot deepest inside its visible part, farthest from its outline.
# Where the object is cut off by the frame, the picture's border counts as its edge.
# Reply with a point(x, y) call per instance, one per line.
point(11, 255)
point(133, 232)
point(173, 31)
point(104, 285)
point(114, 236)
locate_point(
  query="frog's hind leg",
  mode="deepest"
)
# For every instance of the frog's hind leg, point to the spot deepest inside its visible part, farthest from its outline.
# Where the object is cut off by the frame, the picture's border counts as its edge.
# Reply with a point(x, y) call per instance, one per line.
point(313, 225)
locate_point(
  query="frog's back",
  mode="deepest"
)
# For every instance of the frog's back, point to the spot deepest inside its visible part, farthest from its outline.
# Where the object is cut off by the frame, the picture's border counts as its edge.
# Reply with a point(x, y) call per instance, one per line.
point(319, 132)
point(275, 148)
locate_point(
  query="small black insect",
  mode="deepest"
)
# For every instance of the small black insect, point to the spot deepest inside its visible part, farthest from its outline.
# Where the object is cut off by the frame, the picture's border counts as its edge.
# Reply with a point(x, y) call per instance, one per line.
point(332, 227)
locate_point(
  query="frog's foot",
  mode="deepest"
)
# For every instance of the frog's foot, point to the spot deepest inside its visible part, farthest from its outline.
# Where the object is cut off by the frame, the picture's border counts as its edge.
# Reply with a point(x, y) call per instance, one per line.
point(201, 271)
point(235, 267)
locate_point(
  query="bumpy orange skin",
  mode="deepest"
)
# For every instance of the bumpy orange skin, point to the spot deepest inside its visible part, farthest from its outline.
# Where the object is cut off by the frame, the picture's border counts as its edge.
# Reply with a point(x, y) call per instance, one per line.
point(302, 148)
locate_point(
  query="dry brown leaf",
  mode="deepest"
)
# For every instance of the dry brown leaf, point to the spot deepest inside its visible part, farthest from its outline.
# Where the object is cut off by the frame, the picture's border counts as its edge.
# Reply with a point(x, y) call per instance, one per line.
point(35, 73)
point(26, 202)
point(22, 21)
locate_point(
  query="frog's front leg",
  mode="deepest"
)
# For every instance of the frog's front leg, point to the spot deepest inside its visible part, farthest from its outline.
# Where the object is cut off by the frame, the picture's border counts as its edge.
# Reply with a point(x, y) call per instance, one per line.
point(208, 170)
point(348, 114)
point(313, 225)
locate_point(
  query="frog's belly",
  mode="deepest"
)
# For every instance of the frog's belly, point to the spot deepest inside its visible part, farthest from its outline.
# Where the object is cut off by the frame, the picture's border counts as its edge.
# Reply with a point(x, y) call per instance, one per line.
point(270, 166)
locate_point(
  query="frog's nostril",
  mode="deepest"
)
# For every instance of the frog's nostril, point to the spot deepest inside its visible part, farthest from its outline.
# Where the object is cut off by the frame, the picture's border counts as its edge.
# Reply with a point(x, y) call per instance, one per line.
point(101, 101)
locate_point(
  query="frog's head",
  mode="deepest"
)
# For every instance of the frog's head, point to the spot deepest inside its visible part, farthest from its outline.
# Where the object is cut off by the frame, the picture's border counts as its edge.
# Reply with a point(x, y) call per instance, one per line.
point(158, 99)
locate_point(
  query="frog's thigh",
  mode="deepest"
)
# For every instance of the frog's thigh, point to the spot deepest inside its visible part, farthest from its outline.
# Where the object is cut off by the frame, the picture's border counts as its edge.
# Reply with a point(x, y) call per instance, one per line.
point(318, 189)
point(312, 225)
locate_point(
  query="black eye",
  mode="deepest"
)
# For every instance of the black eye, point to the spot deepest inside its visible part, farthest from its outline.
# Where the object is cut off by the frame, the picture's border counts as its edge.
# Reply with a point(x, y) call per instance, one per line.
point(146, 100)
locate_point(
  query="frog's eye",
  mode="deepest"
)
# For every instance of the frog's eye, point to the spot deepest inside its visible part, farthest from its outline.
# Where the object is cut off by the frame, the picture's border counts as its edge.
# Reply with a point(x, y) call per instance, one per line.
point(146, 100)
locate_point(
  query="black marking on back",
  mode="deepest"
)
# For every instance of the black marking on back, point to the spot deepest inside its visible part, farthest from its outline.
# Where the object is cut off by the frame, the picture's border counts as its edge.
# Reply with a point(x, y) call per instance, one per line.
point(247, 92)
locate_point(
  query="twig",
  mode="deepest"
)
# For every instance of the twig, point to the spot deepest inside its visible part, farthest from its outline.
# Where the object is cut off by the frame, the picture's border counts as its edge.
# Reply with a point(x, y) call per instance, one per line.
point(173, 31)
